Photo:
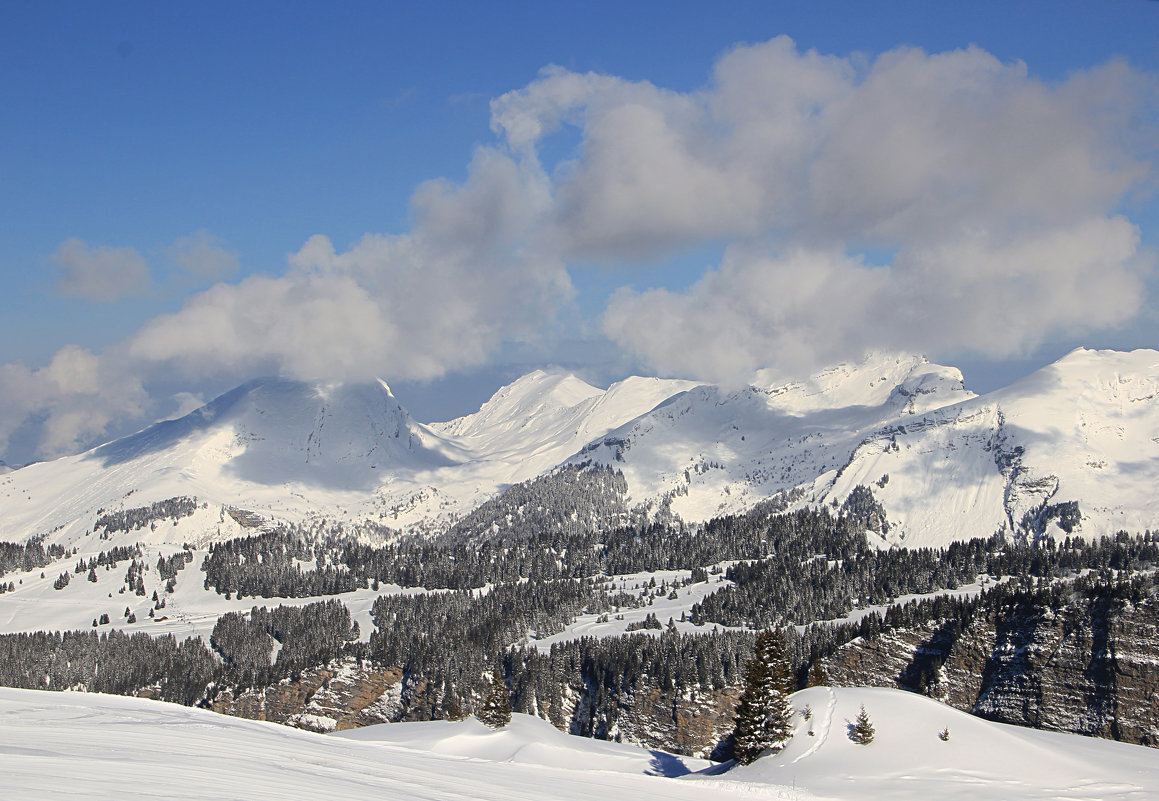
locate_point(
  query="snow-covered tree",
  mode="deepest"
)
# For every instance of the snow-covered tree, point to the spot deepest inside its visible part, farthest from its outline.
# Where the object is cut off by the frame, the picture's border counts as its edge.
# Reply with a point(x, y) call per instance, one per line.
point(817, 675)
point(764, 715)
point(863, 730)
point(450, 707)
point(496, 710)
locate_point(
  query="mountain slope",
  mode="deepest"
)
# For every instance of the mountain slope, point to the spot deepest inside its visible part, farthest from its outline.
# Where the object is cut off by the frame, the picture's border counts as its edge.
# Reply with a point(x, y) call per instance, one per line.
point(908, 760)
point(282, 448)
point(299, 452)
point(1073, 447)
point(710, 452)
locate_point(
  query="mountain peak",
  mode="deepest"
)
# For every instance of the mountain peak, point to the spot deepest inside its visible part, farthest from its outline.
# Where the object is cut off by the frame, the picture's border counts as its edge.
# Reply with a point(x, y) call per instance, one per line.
point(535, 394)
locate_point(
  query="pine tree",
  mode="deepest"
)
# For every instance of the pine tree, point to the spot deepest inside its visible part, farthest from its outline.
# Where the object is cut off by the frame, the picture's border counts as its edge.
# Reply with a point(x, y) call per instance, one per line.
point(863, 730)
point(817, 675)
point(449, 707)
point(764, 715)
point(496, 710)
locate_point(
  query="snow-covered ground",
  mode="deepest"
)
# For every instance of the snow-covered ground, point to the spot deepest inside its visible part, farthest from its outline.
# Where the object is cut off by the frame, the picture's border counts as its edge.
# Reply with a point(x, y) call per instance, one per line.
point(190, 610)
point(58, 745)
point(907, 759)
point(616, 623)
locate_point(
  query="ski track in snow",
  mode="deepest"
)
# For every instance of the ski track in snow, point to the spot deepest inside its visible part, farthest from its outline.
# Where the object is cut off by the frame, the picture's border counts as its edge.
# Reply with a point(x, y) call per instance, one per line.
point(824, 725)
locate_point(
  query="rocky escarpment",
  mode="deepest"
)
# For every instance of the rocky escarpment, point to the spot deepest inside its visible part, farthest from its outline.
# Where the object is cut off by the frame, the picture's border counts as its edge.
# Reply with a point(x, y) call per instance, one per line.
point(344, 694)
point(1090, 667)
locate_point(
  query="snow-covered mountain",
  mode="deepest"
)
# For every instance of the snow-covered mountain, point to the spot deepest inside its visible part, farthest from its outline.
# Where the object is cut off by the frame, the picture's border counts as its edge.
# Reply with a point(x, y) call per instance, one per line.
point(1071, 448)
point(300, 452)
point(710, 452)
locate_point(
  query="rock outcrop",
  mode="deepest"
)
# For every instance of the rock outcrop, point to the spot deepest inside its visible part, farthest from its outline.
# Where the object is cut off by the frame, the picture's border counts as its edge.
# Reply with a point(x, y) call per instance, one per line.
point(1091, 667)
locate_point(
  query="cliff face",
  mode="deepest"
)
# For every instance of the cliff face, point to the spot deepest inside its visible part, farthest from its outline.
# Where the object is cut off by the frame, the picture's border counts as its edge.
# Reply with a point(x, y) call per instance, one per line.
point(1089, 668)
point(345, 694)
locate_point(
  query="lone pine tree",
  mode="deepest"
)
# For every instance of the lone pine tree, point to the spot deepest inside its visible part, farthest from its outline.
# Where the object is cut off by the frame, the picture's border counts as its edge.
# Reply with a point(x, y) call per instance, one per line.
point(764, 715)
point(863, 731)
point(496, 709)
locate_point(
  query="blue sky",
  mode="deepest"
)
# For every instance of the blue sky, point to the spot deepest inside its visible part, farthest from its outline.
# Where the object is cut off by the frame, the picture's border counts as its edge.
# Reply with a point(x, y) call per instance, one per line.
point(155, 150)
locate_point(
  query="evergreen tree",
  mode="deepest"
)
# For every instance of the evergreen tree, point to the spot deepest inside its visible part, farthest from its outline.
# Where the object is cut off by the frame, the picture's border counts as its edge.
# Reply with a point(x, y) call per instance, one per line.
point(450, 706)
point(764, 715)
point(496, 711)
point(817, 675)
point(863, 730)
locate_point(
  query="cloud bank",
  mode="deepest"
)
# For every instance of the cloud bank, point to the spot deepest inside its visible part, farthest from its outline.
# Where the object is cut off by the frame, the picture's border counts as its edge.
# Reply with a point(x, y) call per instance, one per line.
point(912, 200)
point(995, 195)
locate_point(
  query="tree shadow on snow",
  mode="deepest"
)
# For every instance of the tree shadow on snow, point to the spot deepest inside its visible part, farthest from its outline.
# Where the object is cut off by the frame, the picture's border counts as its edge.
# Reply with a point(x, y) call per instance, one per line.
point(667, 765)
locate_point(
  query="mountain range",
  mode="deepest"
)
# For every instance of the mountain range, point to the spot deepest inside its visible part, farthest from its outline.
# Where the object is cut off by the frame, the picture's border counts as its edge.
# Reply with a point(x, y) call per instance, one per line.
point(1071, 449)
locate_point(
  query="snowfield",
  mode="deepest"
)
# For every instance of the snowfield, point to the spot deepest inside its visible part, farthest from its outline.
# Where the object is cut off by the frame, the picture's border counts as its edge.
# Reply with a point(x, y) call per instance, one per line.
point(58, 745)
point(907, 760)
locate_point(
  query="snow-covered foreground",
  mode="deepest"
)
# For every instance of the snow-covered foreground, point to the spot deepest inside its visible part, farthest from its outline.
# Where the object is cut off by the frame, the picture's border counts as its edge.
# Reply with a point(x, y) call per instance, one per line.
point(56, 745)
point(981, 759)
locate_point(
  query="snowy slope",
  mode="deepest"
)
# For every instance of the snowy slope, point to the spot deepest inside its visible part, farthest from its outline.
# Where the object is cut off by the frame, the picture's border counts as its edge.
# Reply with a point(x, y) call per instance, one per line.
point(711, 452)
point(295, 451)
point(944, 463)
point(526, 740)
point(907, 760)
point(535, 423)
point(1085, 429)
point(58, 745)
point(287, 449)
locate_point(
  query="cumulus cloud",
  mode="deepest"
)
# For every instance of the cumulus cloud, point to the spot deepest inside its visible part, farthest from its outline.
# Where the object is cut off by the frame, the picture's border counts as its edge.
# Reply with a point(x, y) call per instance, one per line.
point(829, 150)
point(797, 310)
point(997, 193)
point(466, 278)
point(73, 398)
point(202, 256)
point(100, 273)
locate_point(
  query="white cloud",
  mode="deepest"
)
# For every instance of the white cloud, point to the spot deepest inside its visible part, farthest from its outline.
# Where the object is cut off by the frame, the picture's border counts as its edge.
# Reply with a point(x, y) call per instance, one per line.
point(998, 193)
point(465, 279)
point(201, 255)
point(73, 399)
point(832, 150)
point(100, 273)
point(999, 196)
point(806, 308)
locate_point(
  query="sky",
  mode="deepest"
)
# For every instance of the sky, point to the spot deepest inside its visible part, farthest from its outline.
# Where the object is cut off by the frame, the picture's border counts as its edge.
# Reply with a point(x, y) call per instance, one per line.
point(448, 195)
